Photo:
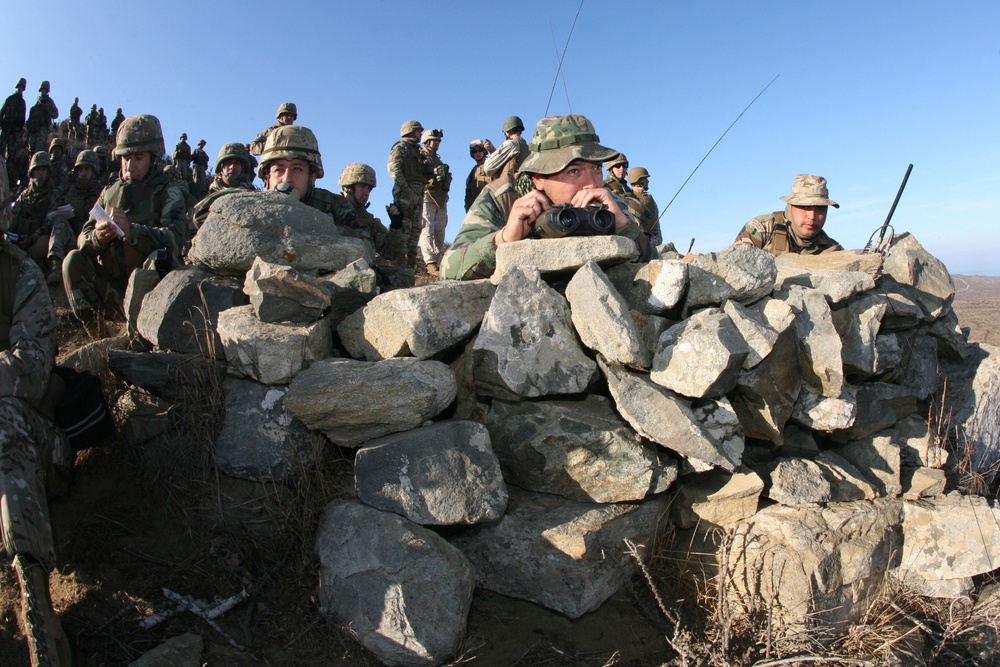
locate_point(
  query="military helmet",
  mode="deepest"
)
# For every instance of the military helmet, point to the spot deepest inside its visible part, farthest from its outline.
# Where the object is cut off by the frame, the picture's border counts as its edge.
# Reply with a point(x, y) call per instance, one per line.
point(138, 134)
point(431, 134)
point(409, 127)
point(233, 151)
point(290, 142)
point(89, 158)
point(57, 141)
point(21, 83)
point(476, 145)
point(101, 150)
point(357, 172)
point(44, 88)
point(201, 142)
point(636, 173)
point(184, 136)
point(512, 123)
point(119, 110)
point(39, 159)
point(559, 140)
point(287, 107)
point(620, 161)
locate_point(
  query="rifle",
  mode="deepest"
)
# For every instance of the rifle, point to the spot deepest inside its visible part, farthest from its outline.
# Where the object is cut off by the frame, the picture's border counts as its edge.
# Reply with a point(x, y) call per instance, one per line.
point(882, 244)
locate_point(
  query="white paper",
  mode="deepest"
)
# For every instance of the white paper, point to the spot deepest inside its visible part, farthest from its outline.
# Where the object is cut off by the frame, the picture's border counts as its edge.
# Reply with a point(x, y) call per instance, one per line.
point(100, 215)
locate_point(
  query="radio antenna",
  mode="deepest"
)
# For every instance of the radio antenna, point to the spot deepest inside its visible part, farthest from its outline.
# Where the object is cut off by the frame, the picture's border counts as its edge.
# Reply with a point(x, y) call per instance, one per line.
point(562, 57)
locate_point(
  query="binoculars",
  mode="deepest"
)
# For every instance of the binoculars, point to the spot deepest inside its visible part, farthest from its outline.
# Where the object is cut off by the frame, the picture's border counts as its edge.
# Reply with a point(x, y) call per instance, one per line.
point(564, 220)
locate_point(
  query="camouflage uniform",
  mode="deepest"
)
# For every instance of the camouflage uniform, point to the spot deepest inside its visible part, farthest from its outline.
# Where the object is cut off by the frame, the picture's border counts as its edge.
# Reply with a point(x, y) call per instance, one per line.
point(117, 122)
point(83, 193)
point(775, 233)
point(95, 276)
point(612, 182)
point(512, 152)
point(406, 167)
point(42, 113)
point(199, 172)
point(12, 115)
point(477, 178)
point(182, 159)
point(256, 146)
point(75, 114)
point(650, 220)
point(90, 121)
point(434, 212)
point(102, 127)
point(45, 237)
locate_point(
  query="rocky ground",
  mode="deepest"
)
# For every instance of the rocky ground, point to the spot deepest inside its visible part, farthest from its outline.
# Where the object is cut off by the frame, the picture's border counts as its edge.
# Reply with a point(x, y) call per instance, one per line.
point(137, 521)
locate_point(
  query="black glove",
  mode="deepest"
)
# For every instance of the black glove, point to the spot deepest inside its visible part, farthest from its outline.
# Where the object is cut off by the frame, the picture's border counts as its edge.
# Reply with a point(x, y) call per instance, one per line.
point(395, 219)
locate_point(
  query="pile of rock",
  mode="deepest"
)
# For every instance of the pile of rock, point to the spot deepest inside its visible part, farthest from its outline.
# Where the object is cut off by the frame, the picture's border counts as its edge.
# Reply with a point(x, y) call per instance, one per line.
point(513, 433)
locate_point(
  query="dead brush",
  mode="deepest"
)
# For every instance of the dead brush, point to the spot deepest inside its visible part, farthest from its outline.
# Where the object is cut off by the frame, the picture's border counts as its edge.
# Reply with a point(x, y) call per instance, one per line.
point(976, 471)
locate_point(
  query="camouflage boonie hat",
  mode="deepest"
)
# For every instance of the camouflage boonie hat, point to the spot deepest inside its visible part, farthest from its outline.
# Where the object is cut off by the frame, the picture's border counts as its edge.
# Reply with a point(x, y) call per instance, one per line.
point(355, 173)
point(809, 190)
point(620, 161)
point(233, 151)
point(409, 127)
point(559, 140)
point(88, 158)
point(635, 173)
point(139, 134)
point(290, 142)
point(39, 159)
point(287, 107)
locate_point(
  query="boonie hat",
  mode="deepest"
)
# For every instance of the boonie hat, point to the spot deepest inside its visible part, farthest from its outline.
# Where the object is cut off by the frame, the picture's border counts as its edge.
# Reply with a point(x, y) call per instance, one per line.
point(558, 140)
point(809, 190)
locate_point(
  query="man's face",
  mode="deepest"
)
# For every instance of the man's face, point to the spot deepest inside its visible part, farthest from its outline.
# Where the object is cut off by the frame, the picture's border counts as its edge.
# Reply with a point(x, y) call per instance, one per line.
point(641, 185)
point(56, 153)
point(433, 144)
point(295, 172)
point(231, 170)
point(619, 170)
point(560, 188)
point(478, 154)
point(362, 191)
point(85, 172)
point(286, 119)
point(39, 174)
point(135, 166)
point(807, 221)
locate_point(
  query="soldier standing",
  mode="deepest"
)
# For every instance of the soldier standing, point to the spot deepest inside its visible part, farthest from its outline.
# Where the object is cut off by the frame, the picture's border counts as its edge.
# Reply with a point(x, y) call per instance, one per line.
point(42, 113)
point(182, 158)
point(29, 444)
point(12, 116)
point(797, 229)
point(406, 167)
point(615, 180)
point(75, 114)
point(287, 114)
point(91, 122)
point(434, 212)
point(116, 123)
point(508, 158)
point(102, 126)
point(477, 178)
point(199, 172)
point(146, 206)
point(638, 178)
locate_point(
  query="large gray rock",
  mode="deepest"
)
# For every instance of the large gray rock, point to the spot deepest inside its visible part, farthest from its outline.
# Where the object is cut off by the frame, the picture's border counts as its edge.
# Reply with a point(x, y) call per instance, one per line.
point(140, 283)
point(700, 356)
point(825, 413)
point(839, 260)
point(903, 313)
point(440, 475)
point(857, 322)
point(419, 321)
point(880, 406)
point(181, 311)
point(742, 273)
point(835, 285)
point(580, 450)
point(350, 289)
point(665, 418)
point(403, 590)
point(601, 318)
point(717, 498)
point(565, 254)
point(564, 555)
point(765, 396)
point(650, 288)
point(246, 225)
point(820, 347)
point(798, 482)
point(279, 293)
point(260, 440)
point(811, 565)
point(910, 264)
point(974, 404)
point(356, 401)
point(847, 483)
point(878, 458)
point(167, 374)
point(271, 353)
point(759, 336)
point(526, 345)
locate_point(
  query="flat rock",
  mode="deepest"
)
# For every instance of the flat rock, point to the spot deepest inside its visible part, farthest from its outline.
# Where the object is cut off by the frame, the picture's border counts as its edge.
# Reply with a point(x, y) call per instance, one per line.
point(700, 356)
point(840, 260)
point(717, 498)
point(565, 254)
point(601, 318)
point(742, 273)
point(847, 483)
point(281, 294)
point(271, 353)
point(798, 482)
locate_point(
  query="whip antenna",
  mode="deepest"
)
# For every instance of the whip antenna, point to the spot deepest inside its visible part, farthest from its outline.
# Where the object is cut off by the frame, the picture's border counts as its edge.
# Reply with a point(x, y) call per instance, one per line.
point(563, 56)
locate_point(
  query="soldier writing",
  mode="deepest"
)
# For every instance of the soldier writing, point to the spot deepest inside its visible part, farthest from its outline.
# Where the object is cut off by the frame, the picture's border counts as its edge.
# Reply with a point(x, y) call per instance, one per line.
point(799, 228)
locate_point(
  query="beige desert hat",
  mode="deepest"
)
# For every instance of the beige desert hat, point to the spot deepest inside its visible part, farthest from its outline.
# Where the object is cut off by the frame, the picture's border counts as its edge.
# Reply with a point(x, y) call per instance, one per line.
point(809, 190)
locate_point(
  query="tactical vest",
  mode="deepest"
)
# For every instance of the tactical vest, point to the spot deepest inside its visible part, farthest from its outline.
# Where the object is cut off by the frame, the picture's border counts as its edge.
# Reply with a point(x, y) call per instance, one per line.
point(513, 165)
point(10, 264)
point(144, 200)
point(779, 238)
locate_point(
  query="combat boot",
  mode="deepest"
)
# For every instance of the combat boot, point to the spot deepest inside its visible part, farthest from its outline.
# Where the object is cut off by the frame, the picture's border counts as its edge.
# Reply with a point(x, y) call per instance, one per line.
point(48, 645)
point(55, 272)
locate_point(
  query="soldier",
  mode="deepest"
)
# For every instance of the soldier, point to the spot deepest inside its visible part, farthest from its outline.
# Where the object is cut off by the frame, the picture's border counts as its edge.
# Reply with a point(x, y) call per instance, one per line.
point(512, 152)
point(60, 167)
point(182, 158)
point(287, 114)
point(232, 172)
point(75, 114)
point(434, 213)
point(406, 167)
point(638, 178)
point(102, 126)
point(477, 178)
point(564, 168)
point(199, 172)
point(93, 135)
point(291, 163)
point(31, 228)
point(30, 444)
point(12, 116)
point(42, 113)
point(799, 228)
point(147, 211)
point(116, 123)
point(104, 174)
point(357, 181)
point(84, 190)
point(615, 180)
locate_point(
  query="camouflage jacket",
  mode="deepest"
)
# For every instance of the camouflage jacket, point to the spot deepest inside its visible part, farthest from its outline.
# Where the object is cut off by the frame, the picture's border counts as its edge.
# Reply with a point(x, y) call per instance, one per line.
point(75, 113)
point(82, 196)
point(473, 254)
point(156, 215)
point(182, 152)
point(12, 113)
point(406, 167)
point(617, 185)
point(43, 112)
point(650, 221)
point(27, 327)
point(770, 232)
point(437, 185)
point(116, 123)
point(337, 206)
point(257, 145)
point(474, 184)
point(28, 217)
point(377, 238)
point(199, 158)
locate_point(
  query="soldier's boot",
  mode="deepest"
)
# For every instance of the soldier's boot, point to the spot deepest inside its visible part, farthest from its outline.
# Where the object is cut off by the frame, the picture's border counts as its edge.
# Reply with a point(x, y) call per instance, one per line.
point(48, 645)
point(55, 276)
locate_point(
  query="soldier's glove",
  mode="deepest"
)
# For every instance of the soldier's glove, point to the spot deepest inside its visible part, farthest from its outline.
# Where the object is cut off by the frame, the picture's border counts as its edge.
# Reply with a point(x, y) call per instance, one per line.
point(395, 219)
point(488, 145)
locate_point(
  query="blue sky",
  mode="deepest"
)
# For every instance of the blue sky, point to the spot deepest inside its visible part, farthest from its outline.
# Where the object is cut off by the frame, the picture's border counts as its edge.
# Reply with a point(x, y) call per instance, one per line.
point(864, 89)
